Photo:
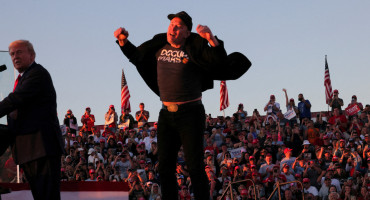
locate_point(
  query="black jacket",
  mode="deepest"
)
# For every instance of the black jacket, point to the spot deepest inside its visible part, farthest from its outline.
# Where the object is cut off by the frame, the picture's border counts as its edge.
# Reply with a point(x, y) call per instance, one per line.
point(36, 131)
point(214, 62)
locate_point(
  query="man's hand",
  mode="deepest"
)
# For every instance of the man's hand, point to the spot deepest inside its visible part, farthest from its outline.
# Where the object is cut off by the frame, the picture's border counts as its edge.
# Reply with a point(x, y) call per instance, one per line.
point(206, 33)
point(121, 34)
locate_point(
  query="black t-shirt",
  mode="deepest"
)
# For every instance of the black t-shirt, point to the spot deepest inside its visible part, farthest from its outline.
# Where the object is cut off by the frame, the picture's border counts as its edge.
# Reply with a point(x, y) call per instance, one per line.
point(179, 79)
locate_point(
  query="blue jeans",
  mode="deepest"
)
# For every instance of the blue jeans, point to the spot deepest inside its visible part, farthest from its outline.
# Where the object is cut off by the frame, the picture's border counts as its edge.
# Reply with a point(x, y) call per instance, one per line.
point(184, 127)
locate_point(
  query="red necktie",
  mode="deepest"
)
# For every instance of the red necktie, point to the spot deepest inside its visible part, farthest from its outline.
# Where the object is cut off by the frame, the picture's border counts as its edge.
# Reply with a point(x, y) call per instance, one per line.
point(16, 82)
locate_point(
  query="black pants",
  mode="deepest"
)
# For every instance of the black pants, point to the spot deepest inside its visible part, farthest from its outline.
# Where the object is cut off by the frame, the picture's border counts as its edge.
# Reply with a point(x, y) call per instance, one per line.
point(184, 127)
point(43, 176)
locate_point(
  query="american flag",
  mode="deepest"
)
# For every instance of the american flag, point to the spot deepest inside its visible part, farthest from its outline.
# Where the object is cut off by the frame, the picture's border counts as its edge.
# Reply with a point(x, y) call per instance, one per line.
point(125, 94)
point(224, 96)
point(327, 83)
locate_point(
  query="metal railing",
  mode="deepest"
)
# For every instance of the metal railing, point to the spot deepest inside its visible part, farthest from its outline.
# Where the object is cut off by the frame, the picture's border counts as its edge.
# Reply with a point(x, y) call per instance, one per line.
point(277, 188)
point(229, 187)
point(278, 185)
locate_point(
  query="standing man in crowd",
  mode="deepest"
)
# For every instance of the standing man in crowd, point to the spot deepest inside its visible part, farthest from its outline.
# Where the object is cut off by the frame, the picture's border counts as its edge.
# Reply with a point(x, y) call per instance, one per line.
point(142, 116)
point(111, 119)
point(88, 120)
point(71, 122)
point(178, 66)
point(127, 117)
point(33, 122)
point(336, 102)
point(304, 107)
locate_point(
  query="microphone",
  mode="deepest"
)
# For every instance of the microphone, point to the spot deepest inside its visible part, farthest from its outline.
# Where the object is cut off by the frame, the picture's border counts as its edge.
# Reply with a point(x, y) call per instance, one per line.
point(2, 68)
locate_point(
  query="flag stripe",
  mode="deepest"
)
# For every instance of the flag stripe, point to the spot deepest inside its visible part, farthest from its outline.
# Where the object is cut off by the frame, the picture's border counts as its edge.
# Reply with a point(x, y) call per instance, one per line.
point(224, 96)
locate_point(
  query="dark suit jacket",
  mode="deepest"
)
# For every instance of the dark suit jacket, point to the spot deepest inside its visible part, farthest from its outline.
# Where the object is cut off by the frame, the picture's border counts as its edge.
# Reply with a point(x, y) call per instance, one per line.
point(36, 129)
point(214, 61)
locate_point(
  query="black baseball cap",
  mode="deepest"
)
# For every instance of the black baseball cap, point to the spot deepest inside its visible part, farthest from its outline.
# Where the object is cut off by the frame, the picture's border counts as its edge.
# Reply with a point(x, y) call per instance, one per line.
point(184, 17)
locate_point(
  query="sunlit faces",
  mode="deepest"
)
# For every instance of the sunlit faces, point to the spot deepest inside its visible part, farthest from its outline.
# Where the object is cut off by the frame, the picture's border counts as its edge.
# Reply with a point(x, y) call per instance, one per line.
point(21, 55)
point(177, 33)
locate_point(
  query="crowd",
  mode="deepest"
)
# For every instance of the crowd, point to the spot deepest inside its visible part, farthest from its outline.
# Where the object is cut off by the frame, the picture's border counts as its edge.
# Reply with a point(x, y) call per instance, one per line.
point(329, 153)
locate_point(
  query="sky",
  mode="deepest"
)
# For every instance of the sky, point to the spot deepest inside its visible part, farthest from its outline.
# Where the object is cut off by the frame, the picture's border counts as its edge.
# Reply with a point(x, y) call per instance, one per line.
point(286, 42)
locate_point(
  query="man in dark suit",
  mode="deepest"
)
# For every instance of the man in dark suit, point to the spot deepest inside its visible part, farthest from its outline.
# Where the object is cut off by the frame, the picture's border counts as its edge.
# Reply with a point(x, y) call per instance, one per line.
point(37, 142)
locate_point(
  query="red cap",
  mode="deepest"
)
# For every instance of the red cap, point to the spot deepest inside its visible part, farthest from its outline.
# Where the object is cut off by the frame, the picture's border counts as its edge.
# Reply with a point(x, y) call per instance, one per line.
point(255, 141)
point(268, 155)
point(251, 157)
point(92, 171)
point(253, 166)
point(291, 100)
point(336, 91)
point(244, 192)
point(335, 158)
point(342, 140)
point(286, 150)
point(297, 175)
point(142, 161)
point(88, 108)
point(62, 169)
point(325, 137)
point(111, 106)
point(306, 180)
point(282, 177)
point(268, 136)
point(354, 97)
point(272, 96)
point(102, 140)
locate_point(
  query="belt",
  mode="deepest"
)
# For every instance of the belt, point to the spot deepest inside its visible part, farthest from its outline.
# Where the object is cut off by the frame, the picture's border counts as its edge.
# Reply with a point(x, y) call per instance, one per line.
point(176, 107)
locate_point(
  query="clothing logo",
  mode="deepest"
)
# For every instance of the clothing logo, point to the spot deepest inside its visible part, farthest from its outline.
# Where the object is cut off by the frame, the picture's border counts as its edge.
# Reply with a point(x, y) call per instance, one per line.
point(185, 60)
point(173, 56)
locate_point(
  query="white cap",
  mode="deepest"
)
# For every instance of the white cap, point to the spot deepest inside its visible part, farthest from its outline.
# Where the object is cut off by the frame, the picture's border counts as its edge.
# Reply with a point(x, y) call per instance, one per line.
point(91, 150)
point(306, 142)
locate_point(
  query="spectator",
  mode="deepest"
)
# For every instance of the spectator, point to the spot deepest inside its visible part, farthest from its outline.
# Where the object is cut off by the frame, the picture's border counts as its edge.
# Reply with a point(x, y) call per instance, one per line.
point(288, 159)
point(149, 139)
point(71, 122)
point(304, 107)
point(336, 102)
point(92, 175)
point(312, 134)
point(324, 190)
point(290, 105)
point(155, 192)
point(126, 119)
point(355, 102)
point(307, 188)
point(271, 108)
point(338, 120)
point(217, 135)
point(88, 120)
point(242, 114)
point(111, 119)
point(138, 191)
point(97, 135)
point(123, 162)
point(142, 115)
